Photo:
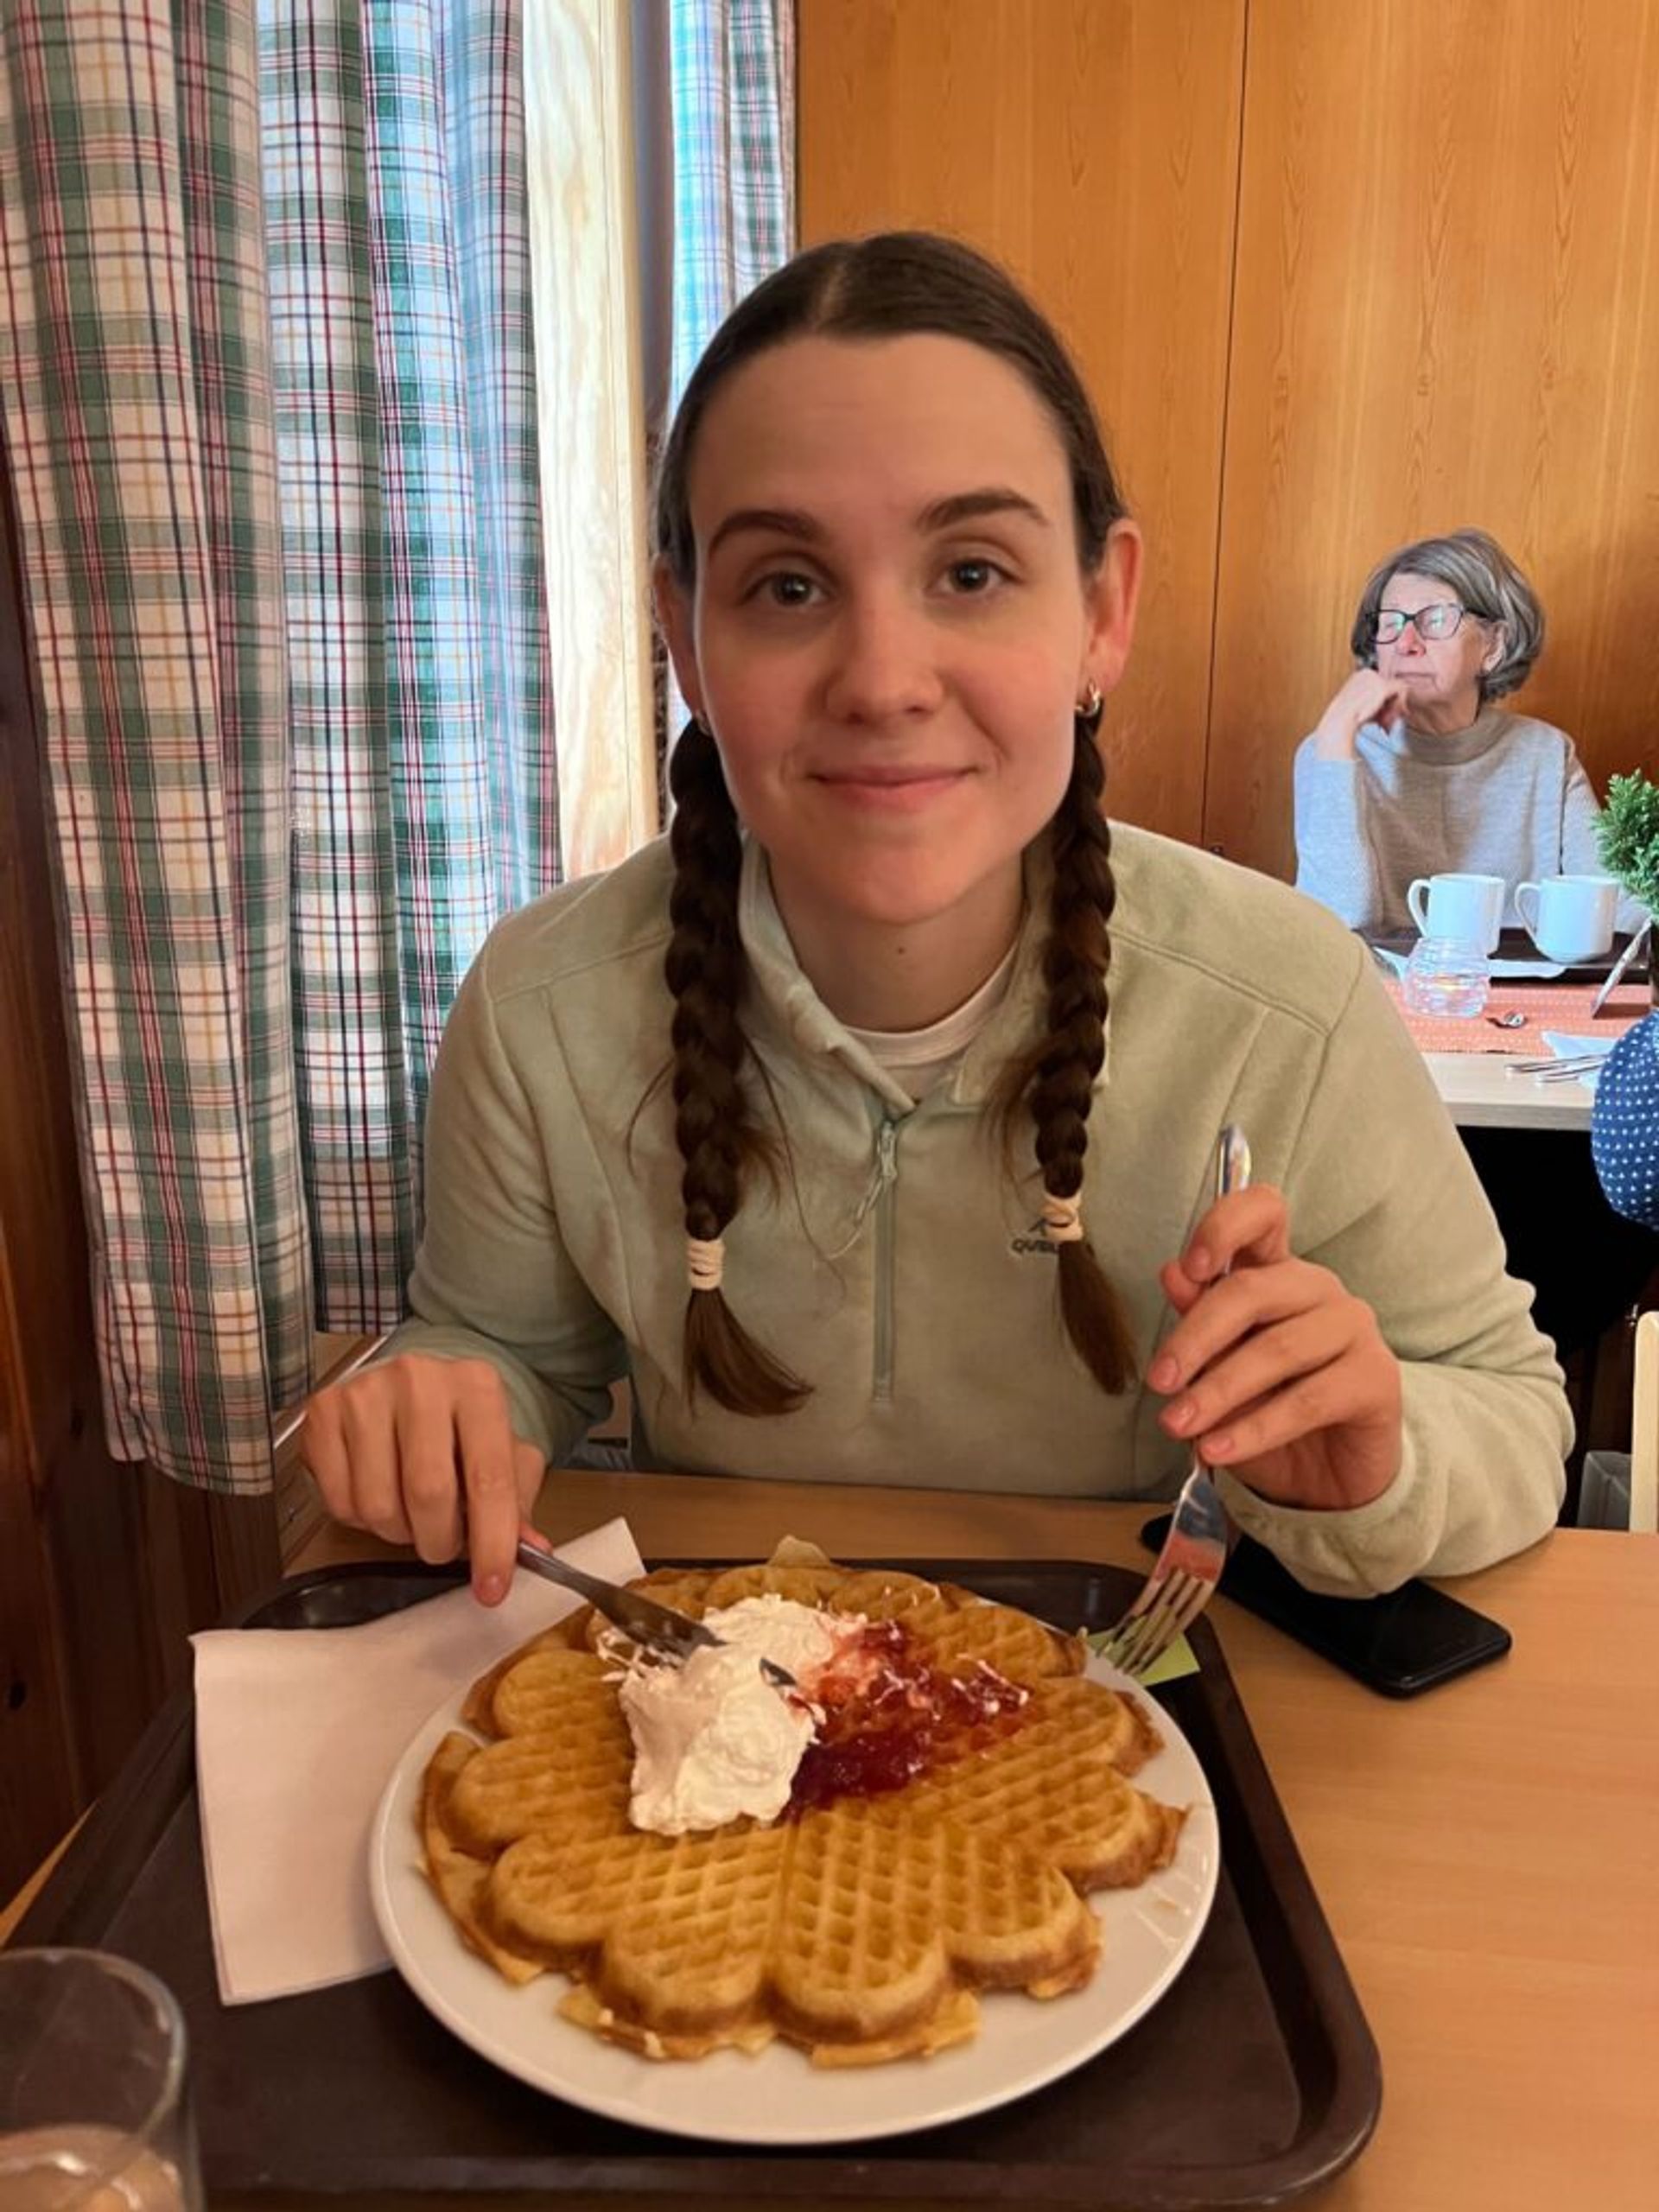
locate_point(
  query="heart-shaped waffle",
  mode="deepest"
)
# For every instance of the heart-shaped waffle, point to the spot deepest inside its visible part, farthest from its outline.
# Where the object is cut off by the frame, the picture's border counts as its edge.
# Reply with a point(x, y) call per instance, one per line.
point(862, 1929)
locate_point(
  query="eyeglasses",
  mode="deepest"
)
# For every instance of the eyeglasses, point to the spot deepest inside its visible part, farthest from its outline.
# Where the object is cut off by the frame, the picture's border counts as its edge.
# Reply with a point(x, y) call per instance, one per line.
point(1443, 620)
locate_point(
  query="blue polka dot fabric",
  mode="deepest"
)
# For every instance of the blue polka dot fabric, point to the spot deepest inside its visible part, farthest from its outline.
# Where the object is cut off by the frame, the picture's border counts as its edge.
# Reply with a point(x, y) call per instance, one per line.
point(1625, 1123)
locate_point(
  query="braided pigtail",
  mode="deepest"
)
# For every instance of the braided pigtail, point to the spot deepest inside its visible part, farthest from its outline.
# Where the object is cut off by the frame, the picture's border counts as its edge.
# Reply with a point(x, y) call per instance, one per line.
point(1061, 1071)
point(705, 970)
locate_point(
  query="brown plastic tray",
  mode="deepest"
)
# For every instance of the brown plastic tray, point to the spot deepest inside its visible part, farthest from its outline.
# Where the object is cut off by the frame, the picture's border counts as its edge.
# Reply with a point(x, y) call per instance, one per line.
point(1254, 2080)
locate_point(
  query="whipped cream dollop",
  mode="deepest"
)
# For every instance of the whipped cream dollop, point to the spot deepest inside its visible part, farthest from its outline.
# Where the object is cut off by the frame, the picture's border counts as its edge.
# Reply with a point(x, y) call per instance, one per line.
point(714, 1739)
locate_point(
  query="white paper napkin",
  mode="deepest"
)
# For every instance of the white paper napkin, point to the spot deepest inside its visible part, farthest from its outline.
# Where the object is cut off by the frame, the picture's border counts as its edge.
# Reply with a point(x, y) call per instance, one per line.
point(1566, 1047)
point(297, 1731)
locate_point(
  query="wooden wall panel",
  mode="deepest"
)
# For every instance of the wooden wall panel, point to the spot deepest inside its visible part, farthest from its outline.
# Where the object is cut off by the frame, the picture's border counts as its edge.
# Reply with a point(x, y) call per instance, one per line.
point(1093, 148)
point(1448, 312)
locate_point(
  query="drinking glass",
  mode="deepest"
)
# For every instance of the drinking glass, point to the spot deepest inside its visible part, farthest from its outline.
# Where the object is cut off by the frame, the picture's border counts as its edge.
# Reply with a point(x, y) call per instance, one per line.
point(1447, 975)
point(94, 2105)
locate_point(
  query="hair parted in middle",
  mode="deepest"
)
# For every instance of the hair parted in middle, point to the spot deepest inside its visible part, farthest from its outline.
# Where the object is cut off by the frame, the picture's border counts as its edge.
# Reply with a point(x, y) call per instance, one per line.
point(1488, 585)
point(891, 285)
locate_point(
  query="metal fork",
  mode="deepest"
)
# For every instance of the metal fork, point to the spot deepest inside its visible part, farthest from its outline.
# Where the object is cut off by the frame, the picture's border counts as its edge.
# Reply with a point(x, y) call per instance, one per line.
point(1559, 1067)
point(1195, 1551)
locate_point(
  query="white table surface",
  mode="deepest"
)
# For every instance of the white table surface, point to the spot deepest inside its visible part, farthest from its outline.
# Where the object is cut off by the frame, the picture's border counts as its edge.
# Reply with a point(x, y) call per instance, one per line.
point(1480, 1093)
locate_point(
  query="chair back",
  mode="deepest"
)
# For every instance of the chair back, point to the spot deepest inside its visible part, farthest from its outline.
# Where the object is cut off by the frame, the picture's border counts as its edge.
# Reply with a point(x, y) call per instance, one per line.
point(1645, 1429)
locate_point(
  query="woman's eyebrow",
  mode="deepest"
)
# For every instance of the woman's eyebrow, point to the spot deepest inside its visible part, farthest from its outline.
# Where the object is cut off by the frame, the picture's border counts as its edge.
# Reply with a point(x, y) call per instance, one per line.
point(777, 522)
point(939, 514)
point(968, 506)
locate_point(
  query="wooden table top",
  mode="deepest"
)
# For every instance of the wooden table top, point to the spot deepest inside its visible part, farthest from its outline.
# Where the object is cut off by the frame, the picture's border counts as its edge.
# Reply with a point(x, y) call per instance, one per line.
point(1480, 1093)
point(1488, 1855)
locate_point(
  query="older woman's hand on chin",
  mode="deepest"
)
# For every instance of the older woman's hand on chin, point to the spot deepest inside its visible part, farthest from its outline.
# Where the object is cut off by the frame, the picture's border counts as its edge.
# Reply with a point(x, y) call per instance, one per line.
point(1365, 697)
point(1277, 1372)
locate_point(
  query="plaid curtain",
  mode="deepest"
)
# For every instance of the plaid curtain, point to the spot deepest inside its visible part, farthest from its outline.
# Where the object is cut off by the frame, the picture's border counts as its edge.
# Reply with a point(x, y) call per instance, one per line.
point(732, 83)
point(280, 538)
point(424, 772)
point(137, 397)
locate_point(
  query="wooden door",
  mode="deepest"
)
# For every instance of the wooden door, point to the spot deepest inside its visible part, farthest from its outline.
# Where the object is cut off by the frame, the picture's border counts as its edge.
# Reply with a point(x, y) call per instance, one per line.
point(1447, 312)
point(1094, 149)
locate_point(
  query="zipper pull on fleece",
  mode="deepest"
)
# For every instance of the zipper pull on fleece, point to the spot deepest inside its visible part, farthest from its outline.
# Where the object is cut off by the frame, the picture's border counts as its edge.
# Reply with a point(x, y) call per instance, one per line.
point(886, 1171)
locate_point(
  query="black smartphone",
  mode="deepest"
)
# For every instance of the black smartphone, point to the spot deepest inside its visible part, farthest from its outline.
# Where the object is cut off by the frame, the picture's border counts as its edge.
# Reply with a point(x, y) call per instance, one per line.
point(1401, 1644)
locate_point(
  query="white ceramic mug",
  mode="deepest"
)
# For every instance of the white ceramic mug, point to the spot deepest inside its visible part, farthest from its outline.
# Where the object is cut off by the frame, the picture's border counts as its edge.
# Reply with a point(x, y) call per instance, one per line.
point(1573, 916)
point(1467, 908)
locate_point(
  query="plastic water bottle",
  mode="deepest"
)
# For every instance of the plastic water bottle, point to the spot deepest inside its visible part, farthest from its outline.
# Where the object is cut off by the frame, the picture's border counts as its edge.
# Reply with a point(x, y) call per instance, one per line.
point(1447, 977)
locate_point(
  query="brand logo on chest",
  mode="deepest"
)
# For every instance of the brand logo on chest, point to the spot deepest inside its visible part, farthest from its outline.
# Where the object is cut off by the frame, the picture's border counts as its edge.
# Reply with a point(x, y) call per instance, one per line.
point(1036, 1242)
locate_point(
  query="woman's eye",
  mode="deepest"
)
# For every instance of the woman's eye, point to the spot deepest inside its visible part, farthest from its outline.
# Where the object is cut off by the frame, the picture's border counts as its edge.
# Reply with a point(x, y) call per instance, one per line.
point(972, 578)
point(788, 588)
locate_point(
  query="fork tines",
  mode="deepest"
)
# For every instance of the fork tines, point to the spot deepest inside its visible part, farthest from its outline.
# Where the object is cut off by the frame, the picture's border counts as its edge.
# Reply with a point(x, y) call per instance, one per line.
point(1143, 1637)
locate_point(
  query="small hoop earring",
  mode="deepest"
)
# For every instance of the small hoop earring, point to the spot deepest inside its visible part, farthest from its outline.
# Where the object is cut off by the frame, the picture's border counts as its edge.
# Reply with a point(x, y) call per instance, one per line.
point(1092, 701)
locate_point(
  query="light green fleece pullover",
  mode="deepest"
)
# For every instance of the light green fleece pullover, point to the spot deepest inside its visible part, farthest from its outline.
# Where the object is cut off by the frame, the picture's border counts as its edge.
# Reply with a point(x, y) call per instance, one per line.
point(901, 1269)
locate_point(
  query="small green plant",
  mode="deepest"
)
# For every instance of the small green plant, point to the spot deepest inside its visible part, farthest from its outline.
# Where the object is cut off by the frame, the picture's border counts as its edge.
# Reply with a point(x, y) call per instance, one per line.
point(1629, 836)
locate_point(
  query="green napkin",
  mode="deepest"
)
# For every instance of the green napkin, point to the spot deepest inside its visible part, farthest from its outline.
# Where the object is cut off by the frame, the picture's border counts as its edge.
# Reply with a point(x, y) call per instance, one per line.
point(1175, 1662)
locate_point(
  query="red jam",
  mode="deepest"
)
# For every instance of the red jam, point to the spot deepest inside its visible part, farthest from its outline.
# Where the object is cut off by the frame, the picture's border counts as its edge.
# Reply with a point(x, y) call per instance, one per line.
point(889, 1717)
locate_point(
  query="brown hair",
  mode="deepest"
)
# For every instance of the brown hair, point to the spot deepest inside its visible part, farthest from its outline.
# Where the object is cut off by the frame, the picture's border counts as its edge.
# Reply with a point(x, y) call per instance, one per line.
point(895, 284)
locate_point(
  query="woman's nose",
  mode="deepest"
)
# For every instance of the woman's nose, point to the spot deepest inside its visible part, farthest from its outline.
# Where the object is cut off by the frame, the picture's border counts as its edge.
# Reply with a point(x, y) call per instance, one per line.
point(886, 664)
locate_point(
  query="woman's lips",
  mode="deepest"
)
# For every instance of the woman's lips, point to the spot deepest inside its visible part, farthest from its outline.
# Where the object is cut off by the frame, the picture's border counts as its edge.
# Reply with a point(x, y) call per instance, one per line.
point(886, 790)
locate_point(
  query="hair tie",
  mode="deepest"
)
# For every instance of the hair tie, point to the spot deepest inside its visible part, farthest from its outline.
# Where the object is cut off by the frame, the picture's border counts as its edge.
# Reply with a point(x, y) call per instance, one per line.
point(705, 1261)
point(1063, 1218)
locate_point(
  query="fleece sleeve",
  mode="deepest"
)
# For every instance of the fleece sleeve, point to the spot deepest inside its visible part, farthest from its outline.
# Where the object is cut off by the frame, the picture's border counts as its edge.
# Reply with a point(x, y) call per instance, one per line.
point(1335, 862)
point(493, 1279)
point(1381, 1191)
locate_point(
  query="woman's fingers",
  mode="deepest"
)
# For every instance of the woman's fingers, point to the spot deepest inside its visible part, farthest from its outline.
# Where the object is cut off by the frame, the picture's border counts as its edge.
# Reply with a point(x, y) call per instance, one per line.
point(1296, 1368)
point(1270, 1356)
point(488, 1455)
point(421, 1451)
point(350, 1443)
point(1248, 1228)
point(424, 1421)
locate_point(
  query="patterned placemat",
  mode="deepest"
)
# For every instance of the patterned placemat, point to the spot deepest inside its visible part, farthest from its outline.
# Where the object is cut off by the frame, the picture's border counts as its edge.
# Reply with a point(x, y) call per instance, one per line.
point(1561, 1006)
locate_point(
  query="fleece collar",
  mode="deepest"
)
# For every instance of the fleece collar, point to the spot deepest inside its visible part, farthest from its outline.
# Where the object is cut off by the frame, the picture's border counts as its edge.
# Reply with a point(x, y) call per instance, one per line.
point(784, 1001)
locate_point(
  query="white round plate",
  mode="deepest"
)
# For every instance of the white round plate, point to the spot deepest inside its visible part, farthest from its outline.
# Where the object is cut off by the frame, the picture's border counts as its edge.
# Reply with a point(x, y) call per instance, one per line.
point(777, 2096)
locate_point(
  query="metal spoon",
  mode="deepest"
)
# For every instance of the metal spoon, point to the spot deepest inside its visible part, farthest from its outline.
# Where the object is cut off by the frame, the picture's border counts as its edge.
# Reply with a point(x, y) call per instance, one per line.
point(1515, 1020)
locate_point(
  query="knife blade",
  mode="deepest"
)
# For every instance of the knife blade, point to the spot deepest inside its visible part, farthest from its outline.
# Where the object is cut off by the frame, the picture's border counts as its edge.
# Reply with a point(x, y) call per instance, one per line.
point(657, 1627)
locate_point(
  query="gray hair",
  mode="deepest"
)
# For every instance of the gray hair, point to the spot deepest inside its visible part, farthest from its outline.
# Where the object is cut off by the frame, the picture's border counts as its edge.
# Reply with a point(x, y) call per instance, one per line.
point(1488, 585)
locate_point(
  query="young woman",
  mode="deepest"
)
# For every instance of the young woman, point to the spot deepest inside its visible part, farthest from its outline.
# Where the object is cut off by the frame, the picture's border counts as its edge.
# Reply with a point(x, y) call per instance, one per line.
point(867, 1124)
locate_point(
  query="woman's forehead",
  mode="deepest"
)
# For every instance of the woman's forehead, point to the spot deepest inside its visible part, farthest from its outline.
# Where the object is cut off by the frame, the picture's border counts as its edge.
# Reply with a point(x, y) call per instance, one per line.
point(1407, 590)
point(909, 420)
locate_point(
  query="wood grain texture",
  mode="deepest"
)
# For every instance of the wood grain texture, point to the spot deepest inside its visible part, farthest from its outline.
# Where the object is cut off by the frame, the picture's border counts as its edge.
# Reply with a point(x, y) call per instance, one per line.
point(1447, 313)
point(590, 422)
point(1094, 150)
point(43, 1787)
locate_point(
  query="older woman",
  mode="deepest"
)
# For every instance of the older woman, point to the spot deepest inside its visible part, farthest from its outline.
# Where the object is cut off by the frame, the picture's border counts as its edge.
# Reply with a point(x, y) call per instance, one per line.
point(1414, 768)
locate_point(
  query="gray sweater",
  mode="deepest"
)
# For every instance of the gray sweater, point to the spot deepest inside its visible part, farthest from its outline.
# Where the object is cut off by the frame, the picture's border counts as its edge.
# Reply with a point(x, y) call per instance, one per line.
point(1505, 797)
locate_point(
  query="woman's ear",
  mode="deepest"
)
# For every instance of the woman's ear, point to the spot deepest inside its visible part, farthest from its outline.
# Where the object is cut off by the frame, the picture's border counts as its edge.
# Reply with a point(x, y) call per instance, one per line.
point(674, 618)
point(1114, 593)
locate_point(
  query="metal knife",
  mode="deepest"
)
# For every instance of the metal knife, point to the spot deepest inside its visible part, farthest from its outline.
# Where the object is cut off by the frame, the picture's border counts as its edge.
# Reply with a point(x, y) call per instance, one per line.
point(659, 1628)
